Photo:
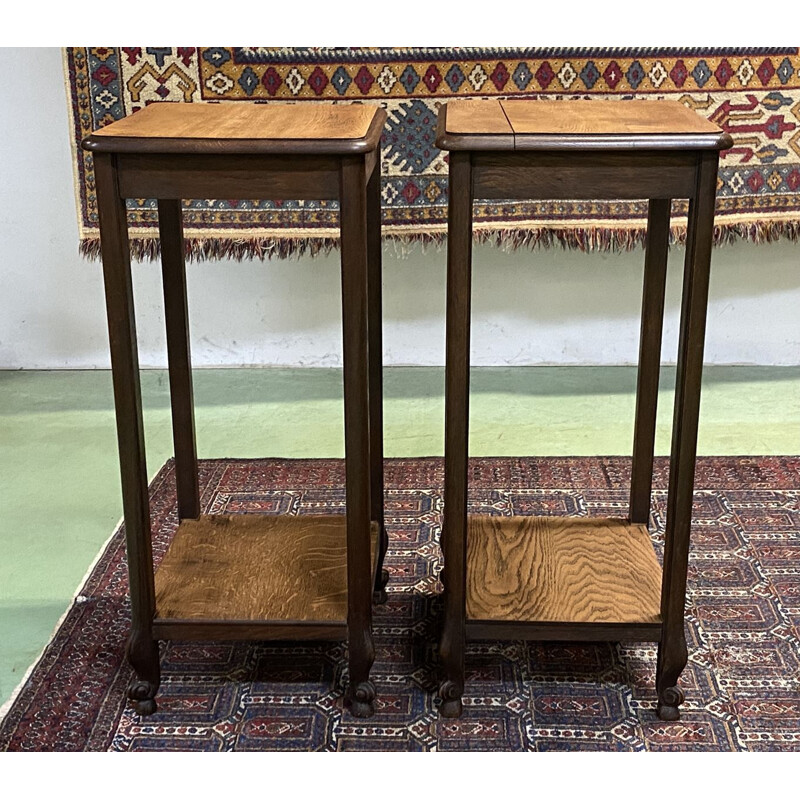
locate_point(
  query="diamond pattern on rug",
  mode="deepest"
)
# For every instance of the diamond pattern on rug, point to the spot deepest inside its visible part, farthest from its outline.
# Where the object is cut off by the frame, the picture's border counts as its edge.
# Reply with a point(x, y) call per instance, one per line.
point(753, 94)
point(742, 682)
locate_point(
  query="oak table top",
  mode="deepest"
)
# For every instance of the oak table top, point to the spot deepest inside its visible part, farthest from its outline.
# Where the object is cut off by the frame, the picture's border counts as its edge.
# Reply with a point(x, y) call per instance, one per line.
point(576, 124)
point(220, 128)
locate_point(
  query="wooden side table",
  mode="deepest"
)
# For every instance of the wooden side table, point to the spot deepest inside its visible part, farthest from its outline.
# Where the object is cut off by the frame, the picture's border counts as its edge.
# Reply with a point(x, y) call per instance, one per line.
point(556, 578)
point(247, 576)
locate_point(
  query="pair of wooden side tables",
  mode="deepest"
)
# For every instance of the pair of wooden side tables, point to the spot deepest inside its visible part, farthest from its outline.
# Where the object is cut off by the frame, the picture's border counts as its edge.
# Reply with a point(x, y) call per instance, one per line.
point(316, 577)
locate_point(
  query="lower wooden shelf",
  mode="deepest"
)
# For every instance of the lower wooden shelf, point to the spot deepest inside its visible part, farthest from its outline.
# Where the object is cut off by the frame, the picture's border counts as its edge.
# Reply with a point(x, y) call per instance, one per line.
point(562, 571)
point(255, 576)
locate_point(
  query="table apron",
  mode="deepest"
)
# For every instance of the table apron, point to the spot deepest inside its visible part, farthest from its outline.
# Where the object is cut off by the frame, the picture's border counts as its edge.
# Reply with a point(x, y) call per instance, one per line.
point(479, 630)
point(231, 177)
point(234, 630)
point(583, 176)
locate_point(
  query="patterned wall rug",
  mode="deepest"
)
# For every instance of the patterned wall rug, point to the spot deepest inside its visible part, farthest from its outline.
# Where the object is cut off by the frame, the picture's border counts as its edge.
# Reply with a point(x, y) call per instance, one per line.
point(743, 619)
point(754, 94)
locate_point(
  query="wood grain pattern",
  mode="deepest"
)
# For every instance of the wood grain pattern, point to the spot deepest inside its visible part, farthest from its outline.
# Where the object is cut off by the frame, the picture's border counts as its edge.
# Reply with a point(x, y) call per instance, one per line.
point(469, 141)
point(576, 125)
point(245, 121)
point(561, 569)
point(256, 567)
point(603, 117)
point(476, 116)
point(213, 129)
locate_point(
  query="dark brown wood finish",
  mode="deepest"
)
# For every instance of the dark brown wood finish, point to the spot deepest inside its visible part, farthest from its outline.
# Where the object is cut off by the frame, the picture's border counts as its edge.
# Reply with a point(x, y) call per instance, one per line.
point(623, 143)
point(587, 163)
point(171, 169)
point(355, 270)
point(142, 651)
point(306, 177)
point(456, 435)
point(375, 354)
point(652, 324)
point(583, 175)
point(198, 630)
point(176, 314)
point(672, 654)
point(559, 632)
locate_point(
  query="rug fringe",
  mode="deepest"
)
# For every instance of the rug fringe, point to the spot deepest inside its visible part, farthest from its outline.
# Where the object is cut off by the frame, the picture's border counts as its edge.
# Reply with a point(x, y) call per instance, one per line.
point(584, 239)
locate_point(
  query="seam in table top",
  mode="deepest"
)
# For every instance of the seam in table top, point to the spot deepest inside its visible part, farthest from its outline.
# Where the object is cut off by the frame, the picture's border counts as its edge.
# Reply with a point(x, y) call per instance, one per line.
point(513, 132)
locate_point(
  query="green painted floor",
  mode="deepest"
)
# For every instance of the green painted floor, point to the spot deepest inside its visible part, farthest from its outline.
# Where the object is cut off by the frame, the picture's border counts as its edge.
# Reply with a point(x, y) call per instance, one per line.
point(59, 482)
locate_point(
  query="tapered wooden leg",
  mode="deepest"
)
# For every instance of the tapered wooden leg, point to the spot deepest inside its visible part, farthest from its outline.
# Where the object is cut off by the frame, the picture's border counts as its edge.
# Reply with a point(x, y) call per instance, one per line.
point(454, 532)
point(655, 279)
point(672, 655)
point(353, 222)
point(142, 650)
point(375, 347)
point(170, 224)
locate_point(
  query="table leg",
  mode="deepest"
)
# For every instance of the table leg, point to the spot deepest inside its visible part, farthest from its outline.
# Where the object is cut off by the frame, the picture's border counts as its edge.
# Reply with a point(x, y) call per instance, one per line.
point(142, 650)
point(173, 268)
point(672, 651)
point(375, 349)
point(353, 223)
point(454, 532)
point(655, 279)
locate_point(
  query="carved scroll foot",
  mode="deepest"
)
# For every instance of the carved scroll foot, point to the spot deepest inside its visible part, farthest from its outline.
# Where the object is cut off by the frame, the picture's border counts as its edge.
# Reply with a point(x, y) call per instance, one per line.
point(450, 693)
point(142, 652)
point(361, 700)
point(143, 695)
point(669, 700)
point(672, 658)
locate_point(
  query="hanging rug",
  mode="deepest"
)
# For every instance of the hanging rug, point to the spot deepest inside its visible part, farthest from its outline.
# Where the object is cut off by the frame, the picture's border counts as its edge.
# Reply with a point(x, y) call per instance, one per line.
point(752, 93)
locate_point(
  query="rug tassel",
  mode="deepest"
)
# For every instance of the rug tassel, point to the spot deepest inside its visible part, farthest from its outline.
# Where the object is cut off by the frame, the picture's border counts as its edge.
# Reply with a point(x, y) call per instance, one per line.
point(586, 240)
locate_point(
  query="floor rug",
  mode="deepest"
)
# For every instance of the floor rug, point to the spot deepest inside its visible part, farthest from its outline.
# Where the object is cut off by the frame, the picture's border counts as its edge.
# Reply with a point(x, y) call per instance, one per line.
point(742, 682)
point(753, 93)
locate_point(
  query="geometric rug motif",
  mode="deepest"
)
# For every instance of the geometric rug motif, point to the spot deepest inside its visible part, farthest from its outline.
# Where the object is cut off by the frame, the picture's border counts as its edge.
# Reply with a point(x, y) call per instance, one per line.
point(742, 682)
point(752, 93)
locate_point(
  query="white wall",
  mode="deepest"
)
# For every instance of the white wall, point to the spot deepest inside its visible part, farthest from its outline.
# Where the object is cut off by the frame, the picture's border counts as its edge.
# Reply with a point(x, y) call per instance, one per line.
point(530, 307)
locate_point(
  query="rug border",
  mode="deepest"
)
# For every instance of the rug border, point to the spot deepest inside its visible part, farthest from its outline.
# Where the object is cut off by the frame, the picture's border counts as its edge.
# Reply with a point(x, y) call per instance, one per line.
point(6, 707)
point(792, 460)
point(73, 147)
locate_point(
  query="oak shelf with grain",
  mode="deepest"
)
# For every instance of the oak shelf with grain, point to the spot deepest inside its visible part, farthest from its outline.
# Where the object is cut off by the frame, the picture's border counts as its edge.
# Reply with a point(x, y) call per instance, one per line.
point(241, 576)
point(561, 578)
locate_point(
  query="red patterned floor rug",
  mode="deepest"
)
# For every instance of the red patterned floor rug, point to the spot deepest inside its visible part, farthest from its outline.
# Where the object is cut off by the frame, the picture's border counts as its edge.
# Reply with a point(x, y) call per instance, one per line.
point(742, 683)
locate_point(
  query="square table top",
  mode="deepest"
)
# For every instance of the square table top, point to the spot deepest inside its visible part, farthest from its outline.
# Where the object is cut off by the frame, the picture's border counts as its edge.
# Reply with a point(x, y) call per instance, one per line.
point(243, 127)
point(568, 124)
